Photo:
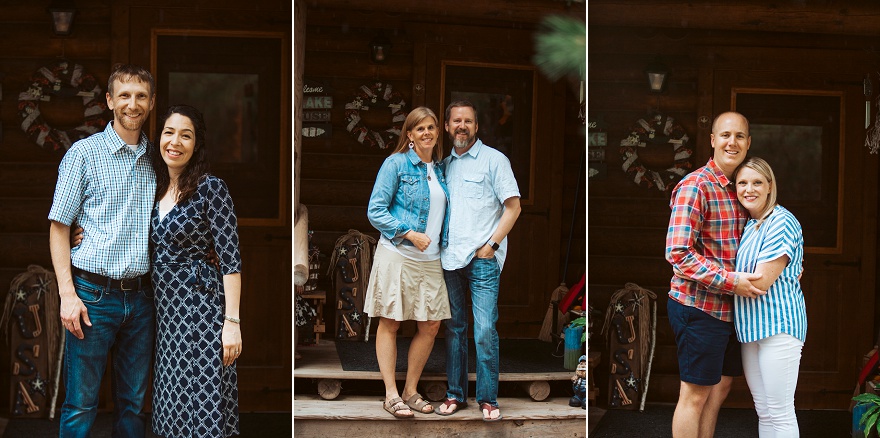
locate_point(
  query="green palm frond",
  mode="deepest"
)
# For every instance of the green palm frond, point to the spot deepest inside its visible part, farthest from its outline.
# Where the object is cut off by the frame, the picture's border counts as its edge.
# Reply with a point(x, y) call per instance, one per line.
point(561, 47)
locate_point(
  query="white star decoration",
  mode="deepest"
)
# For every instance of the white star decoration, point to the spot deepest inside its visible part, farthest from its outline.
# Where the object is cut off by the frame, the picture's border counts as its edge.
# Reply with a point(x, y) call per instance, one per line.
point(631, 382)
point(42, 285)
point(21, 295)
point(342, 251)
point(38, 384)
point(618, 307)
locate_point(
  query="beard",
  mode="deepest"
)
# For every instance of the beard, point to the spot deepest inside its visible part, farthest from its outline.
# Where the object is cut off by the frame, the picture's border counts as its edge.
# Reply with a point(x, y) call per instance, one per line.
point(458, 143)
point(128, 124)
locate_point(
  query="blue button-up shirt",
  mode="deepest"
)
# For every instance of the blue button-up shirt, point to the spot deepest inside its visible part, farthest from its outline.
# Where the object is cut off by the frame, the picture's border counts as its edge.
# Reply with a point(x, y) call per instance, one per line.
point(479, 182)
point(401, 198)
point(108, 189)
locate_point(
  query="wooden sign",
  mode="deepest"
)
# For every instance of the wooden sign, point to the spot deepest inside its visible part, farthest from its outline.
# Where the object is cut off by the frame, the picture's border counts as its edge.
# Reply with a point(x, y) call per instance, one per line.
point(321, 130)
point(316, 116)
point(317, 102)
point(314, 87)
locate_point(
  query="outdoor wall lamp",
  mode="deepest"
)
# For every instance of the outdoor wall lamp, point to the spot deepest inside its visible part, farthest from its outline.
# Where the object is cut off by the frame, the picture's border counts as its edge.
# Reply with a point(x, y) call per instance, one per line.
point(379, 47)
point(62, 12)
point(657, 73)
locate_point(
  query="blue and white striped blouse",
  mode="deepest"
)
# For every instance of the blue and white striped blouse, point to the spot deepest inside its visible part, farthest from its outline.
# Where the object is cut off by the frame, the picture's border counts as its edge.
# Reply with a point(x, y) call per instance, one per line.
point(782, 309)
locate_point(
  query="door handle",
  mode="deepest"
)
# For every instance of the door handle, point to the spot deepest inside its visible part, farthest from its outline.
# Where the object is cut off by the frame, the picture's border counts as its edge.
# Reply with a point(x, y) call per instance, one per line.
point(854, 264)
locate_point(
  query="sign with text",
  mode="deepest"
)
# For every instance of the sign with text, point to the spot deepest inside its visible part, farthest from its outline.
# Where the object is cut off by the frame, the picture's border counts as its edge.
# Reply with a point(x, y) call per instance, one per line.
point(316, 116)
point(317, 102)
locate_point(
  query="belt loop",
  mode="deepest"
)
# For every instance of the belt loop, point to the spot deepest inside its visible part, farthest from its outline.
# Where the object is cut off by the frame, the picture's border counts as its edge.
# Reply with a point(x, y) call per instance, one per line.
point(109, 285)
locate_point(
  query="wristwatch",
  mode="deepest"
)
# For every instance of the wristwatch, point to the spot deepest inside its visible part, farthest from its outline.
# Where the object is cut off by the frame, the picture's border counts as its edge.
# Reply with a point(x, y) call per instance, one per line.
point(493, 245)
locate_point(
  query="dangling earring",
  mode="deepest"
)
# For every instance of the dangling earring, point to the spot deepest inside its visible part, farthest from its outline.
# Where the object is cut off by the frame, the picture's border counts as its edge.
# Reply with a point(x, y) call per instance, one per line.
point(411, 145)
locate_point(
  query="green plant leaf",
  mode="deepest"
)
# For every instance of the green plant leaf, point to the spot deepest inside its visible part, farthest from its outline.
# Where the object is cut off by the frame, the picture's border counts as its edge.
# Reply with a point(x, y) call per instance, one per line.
point(867, 397)
point(871, 413)
point(578, 322)
point(871, 420)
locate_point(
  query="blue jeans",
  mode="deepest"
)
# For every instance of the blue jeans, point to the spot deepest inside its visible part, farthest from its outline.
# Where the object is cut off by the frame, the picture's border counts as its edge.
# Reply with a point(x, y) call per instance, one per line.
point(123, 323)
point(482, 277)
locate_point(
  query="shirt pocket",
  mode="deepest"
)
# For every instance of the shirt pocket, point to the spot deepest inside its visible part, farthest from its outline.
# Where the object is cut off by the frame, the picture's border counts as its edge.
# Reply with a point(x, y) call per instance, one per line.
point(409, 186)
point(472, 187)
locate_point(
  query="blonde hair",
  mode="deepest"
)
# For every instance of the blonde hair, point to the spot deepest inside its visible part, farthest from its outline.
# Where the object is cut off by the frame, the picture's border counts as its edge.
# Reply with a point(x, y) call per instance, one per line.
point(416, 116)
point(763, 168)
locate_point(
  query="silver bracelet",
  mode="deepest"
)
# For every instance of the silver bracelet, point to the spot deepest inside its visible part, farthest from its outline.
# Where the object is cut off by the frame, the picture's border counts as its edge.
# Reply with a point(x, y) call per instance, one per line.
point(231, 319)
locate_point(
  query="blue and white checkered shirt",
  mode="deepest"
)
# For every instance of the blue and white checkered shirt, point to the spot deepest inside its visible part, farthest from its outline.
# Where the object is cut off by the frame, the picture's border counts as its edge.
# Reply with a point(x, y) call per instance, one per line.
point(108, 189)
point(479, 182)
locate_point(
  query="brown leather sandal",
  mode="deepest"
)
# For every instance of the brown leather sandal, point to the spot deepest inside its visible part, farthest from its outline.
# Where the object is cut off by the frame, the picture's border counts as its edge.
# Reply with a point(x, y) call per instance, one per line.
point(417, 404)
point(395, 405)
point(459, 405)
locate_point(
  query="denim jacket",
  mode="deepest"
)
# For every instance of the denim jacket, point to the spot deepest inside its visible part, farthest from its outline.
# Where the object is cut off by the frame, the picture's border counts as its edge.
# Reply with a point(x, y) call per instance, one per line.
point(401, 199)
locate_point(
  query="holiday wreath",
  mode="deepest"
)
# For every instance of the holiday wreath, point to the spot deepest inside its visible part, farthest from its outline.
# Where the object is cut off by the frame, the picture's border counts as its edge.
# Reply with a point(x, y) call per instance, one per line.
point(363, 97)
point(656, 130)
point(63, 79)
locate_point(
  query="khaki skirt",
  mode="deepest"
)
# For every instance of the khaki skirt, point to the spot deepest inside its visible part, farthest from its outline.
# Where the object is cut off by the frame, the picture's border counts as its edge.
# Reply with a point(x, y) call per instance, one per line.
point(404, 290)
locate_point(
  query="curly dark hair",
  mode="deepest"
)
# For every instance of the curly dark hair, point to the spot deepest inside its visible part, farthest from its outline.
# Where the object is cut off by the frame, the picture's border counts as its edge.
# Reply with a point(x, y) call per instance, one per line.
point(198, 165)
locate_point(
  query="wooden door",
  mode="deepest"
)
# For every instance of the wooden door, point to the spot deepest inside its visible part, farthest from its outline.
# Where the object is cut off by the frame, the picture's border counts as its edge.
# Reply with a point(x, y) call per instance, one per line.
point(265, 367)
point(809, 126)
point(491, 63)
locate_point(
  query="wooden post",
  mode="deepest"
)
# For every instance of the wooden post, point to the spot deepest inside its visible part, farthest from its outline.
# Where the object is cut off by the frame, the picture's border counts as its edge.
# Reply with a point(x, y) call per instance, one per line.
point(435, 390)
point(538, 390)
point(329, 389)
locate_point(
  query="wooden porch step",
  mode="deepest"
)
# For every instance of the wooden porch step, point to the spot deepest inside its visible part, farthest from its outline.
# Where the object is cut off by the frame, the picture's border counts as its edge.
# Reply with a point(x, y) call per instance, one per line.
point(320, 361)
point(522, 417)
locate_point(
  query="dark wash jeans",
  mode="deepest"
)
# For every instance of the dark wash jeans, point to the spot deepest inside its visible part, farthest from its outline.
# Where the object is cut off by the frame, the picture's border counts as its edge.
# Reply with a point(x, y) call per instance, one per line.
point(123, 325)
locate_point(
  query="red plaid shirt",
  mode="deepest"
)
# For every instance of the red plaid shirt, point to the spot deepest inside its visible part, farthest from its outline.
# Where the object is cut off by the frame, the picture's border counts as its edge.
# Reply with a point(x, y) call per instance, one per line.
point(704, 231)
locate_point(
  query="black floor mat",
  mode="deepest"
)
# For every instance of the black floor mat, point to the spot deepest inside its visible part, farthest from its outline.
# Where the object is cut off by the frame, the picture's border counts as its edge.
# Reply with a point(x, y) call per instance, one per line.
point(656, 422)
point(517, 356)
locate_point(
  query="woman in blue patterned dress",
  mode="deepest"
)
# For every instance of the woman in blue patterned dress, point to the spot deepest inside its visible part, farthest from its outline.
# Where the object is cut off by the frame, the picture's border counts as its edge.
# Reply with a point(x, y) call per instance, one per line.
point(198, 337)
point(771, 327)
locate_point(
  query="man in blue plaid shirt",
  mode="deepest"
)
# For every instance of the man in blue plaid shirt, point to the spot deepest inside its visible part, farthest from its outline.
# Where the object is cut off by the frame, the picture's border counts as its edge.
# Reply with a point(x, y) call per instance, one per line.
point(107, 186)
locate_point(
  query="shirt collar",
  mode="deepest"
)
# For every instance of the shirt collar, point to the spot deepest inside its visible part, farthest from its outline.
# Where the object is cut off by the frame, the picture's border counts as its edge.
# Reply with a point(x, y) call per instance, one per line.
point(115, 143)
point(719, 174)
point(473, 151)
point(413, 157)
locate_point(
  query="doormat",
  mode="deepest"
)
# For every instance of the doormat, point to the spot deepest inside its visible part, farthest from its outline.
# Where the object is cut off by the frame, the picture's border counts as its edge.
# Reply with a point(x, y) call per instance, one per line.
point(517, 356)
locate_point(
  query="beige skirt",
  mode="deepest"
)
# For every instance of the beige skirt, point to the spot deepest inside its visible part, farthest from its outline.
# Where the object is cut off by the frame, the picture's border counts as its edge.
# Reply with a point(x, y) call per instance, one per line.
point(404, 290)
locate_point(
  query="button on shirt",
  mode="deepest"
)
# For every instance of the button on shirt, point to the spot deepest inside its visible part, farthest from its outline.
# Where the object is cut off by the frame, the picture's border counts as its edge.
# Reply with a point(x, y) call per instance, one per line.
point(701, 242)
point(479, 182)
point(108, 189)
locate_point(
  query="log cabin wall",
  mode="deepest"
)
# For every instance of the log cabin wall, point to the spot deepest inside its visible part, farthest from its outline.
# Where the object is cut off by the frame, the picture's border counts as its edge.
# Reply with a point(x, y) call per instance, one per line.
point(105, 33)
point(337, 173)
point(627, 223)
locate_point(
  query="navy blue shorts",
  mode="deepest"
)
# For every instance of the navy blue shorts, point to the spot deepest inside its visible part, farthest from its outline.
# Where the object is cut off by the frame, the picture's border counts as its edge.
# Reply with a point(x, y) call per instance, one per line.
point(707, 346)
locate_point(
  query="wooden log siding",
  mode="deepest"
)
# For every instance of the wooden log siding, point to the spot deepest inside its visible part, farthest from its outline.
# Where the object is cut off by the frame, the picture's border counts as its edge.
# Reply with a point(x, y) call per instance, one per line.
point(102, 36)
point(839, 18)
point(627, 223)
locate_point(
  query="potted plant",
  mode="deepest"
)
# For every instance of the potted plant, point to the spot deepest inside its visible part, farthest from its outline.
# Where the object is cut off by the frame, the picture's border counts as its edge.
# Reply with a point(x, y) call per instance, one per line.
point(869, 405)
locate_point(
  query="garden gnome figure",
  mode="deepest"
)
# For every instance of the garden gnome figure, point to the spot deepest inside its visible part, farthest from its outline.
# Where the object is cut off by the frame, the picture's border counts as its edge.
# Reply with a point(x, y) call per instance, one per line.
point(579, 384)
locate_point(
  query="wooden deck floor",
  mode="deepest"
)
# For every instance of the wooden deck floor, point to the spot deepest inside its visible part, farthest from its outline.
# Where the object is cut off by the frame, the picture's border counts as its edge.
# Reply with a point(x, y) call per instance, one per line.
point(363, 415)
point(321, 361)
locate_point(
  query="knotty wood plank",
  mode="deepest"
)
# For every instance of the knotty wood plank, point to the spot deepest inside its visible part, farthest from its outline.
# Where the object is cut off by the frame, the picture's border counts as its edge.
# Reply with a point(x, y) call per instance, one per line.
point(321, 361)
point(312, 407)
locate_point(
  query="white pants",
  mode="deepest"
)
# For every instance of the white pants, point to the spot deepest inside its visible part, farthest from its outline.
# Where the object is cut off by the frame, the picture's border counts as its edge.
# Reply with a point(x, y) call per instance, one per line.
point(771, 369)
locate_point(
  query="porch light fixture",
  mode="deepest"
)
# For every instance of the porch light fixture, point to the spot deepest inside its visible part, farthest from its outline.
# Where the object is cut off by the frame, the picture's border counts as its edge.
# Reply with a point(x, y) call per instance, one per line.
point(62, 12)
point(657, 73)
point(379, 47)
